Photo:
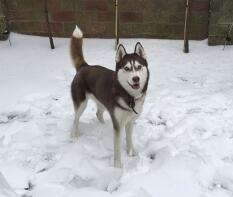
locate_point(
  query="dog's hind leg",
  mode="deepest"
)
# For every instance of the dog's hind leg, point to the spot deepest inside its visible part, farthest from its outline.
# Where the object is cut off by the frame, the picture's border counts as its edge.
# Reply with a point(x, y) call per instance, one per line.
point(78, 112)
point(99, 113)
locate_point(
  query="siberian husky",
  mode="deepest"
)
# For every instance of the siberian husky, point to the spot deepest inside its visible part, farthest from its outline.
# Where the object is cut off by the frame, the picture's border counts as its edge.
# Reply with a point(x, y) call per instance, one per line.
point(120, 92)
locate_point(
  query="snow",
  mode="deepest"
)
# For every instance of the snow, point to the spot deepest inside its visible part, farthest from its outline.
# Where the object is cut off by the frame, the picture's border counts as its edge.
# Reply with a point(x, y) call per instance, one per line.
point(184, 136)
point(5, 189)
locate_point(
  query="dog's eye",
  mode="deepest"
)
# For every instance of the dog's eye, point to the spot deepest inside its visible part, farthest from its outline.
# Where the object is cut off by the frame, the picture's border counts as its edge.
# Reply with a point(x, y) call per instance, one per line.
point(126, 69)
point(139, 67)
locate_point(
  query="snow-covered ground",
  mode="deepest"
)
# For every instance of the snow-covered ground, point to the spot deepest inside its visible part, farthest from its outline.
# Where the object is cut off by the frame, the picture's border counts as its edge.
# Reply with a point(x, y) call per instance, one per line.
point(184, 136)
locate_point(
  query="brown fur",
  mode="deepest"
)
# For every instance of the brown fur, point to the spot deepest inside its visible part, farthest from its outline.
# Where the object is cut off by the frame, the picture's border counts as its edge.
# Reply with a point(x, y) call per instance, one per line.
point(77, 52)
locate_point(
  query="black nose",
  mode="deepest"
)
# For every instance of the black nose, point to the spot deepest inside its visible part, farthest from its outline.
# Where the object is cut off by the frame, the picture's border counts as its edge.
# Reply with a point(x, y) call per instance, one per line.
point(136, 79)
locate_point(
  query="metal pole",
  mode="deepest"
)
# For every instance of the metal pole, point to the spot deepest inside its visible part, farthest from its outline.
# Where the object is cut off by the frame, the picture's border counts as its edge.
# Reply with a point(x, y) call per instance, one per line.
point(186, 39)
point(48, 24)
point(116, 24)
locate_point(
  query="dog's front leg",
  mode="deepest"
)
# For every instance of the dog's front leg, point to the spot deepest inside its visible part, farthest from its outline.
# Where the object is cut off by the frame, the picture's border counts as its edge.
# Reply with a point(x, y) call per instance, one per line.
point(129, 142)
point(117, 148)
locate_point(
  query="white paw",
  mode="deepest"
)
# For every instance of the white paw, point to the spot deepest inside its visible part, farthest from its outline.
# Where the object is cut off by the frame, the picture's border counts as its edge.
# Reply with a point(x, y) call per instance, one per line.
point(132, 152)
point(100, 117)
point(74, 133)
point(101, 120)
point(118, 164)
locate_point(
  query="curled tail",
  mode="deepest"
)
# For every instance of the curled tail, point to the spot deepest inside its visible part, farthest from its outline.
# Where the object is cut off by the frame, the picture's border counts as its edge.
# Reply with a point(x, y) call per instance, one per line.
point(76, 49)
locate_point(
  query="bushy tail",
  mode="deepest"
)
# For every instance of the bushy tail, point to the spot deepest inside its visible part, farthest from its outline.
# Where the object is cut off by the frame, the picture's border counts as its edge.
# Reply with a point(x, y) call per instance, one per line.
point(76, 49)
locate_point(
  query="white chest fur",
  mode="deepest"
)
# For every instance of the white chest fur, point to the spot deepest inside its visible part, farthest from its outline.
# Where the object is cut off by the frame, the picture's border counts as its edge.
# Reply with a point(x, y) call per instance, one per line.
point(125, 116)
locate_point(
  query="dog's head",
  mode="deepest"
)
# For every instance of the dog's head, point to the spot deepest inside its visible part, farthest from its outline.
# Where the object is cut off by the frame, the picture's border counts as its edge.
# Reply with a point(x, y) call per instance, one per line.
point(132, 70)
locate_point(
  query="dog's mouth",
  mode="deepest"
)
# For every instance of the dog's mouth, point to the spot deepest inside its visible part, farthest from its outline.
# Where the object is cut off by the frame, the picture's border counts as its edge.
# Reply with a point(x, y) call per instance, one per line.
point(135, 86)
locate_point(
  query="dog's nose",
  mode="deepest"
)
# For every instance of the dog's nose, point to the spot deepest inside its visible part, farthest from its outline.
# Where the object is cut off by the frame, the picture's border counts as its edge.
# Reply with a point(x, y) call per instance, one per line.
point(136, 79)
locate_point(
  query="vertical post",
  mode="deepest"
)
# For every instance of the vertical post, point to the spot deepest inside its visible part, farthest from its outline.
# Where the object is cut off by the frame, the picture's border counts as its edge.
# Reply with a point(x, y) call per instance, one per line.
point(6, 32)
point(48, 24)
point(186, 39)
point(116, 24)
point(228, 38)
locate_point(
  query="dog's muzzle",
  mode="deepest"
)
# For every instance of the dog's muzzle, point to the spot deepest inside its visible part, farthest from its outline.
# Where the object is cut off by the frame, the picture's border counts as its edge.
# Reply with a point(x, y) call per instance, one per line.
point(135, 86)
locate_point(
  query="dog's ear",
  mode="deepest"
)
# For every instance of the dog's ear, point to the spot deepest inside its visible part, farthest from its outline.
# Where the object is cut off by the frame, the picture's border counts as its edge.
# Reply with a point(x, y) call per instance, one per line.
point(139, 50)
point(121, 52)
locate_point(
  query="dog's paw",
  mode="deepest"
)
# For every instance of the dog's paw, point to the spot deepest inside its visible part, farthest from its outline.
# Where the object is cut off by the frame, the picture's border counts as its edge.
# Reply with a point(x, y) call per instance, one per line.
point(118, 164)
point(101, 120)
point(74, 134)
point(100, 117)
point(132, 152)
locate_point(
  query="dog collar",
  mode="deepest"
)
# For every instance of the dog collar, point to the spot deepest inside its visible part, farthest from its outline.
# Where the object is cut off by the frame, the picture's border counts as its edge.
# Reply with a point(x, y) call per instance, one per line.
point(130, 103)
point(129, 100)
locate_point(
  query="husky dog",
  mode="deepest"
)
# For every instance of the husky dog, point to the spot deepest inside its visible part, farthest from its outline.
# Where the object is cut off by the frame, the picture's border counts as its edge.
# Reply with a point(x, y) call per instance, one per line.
point(120, 92)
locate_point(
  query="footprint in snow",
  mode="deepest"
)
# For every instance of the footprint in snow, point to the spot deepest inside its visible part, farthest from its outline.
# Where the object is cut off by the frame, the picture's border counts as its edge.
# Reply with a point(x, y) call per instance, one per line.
point(12, 116)
point(159, 121)
point(179, 79)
